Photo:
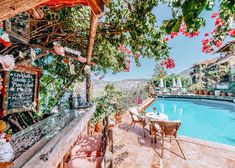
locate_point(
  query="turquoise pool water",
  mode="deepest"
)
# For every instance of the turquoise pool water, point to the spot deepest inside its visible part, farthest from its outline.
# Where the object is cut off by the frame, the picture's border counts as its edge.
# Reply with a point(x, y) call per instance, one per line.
point(212, 121)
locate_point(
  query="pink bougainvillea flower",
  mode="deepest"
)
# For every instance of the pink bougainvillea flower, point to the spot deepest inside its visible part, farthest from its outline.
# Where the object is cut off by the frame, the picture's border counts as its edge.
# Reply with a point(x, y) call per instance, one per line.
point(215, 14)
point(187, 34)
point(173, 34)
point(206, 34)
point(196, 33)
point(218, 43)
point(166, 39)
point(124, 49)
point(136, 55)
point(219, 22)
point(169, 63)
point(231, 32)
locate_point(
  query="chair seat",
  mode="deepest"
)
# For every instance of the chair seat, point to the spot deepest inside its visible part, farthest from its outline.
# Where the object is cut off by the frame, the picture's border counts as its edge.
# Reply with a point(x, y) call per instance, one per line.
point(89, 162)
point(88, 146)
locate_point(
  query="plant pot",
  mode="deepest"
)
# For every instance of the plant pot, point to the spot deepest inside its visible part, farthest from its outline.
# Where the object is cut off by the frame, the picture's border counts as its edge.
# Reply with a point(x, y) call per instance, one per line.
point(217, 92)
point(205, 92)
point(99, 127)
point(212, 93)
point(195, 92)
point(230, 94)
point(118, 118)
point(91, 130)
point(223, 94)
point(200, 92)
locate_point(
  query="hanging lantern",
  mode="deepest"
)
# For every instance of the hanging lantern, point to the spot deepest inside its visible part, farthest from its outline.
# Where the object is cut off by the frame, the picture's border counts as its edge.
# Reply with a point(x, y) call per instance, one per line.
point(87, 69)
point(4, 39)
point(21, 54)
point(71, 68)
point(8, 62)
point(32, 54)
point(59, 50)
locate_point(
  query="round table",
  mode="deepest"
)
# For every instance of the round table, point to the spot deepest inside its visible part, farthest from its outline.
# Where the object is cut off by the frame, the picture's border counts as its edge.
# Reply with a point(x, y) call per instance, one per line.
point(152, 116)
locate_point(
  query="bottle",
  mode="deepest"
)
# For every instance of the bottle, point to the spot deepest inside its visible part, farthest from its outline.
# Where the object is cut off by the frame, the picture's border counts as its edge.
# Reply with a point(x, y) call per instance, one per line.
point(71, 104)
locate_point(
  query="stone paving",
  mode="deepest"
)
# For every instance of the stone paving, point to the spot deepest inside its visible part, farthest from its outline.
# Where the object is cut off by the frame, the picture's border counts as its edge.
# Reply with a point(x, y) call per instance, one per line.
point(132, 150)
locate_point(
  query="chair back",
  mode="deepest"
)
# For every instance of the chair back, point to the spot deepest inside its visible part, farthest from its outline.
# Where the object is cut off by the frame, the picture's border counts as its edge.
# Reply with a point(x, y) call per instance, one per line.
point(169, 128)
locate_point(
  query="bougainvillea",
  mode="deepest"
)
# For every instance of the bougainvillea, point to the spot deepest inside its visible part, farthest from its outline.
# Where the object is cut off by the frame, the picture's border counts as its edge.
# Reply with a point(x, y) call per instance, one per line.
point(168, 63)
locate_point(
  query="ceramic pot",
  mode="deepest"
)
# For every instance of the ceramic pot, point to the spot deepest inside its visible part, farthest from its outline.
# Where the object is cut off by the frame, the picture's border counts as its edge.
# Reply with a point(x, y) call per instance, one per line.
point(230, 94)
point(99, 127)
point(118, 118)
point(217, 92)
point(200, 92)
point(195, 92)
point(205, 92)
point(212, 93)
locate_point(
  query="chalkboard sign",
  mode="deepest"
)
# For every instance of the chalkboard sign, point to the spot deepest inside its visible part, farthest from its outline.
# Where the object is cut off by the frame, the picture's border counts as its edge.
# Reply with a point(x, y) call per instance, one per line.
point(21, 90)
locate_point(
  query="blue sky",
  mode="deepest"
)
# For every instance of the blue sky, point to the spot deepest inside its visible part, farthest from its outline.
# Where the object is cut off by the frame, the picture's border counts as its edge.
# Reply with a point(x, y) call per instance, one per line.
point(185, 51)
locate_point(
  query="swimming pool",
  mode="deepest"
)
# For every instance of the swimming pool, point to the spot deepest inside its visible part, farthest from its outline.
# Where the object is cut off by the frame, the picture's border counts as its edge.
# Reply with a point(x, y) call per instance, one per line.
point(208, 120)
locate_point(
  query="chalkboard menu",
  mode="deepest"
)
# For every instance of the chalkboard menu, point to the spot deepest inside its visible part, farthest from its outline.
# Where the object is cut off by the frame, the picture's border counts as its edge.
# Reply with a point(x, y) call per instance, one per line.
point(21, 90)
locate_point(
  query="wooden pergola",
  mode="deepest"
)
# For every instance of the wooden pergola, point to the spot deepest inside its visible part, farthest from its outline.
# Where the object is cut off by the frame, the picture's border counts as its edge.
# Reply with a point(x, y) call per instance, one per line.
point(9, 8)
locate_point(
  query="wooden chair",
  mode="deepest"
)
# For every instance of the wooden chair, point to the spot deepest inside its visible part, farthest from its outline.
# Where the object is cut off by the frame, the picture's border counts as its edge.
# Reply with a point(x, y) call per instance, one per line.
point(167, 130)
point(137, 119)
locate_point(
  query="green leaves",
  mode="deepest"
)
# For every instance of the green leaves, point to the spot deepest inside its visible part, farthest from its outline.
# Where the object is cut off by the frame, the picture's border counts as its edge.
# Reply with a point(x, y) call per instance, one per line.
point(172, 25)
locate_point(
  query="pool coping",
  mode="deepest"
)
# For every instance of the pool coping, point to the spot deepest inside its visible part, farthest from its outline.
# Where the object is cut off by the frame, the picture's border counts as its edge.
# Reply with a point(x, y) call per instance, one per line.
point(204, 97)
point(207, 143)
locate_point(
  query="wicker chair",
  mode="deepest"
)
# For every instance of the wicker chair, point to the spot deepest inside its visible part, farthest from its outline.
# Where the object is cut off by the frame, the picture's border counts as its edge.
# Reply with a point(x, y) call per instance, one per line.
point(136, 118)
point(167, 130)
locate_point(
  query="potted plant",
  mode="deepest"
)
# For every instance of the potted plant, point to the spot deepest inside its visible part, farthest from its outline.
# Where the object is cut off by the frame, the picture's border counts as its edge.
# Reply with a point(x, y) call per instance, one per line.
point(197, 88)
point(210, 90)
point(205, 92)
point(231, 89)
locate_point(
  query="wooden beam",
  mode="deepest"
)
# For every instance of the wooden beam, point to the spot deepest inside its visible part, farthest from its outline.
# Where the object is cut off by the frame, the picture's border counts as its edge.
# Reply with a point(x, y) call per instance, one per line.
point(93, 28)
point(97, 6)
point(9, 8)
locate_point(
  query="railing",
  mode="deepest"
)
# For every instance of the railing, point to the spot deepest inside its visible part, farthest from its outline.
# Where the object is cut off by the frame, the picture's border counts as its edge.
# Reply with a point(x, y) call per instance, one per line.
point(31, 144)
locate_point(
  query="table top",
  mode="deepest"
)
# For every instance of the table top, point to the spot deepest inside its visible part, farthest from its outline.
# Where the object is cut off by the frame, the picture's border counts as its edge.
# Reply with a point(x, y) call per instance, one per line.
point(154, 116)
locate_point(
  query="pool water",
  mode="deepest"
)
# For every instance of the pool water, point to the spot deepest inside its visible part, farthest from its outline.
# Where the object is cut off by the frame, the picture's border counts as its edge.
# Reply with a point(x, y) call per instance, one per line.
point(207, 120)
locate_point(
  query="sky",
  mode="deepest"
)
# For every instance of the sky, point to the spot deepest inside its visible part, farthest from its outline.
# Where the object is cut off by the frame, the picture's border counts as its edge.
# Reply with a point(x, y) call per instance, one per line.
point(185, 51)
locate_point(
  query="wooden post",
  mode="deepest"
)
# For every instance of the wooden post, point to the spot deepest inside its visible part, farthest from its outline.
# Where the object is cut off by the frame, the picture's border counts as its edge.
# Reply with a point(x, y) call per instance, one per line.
point(93, 27)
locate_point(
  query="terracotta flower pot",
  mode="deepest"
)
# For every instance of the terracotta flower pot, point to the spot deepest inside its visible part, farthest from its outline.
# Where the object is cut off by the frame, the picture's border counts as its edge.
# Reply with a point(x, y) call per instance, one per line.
point(212, 93)
point(223, 94)
point(205, 92)
point(230, 94)
point(200, 92)
point(118, 118)
point(91, 130)
point(99, 127)
point(195, 92)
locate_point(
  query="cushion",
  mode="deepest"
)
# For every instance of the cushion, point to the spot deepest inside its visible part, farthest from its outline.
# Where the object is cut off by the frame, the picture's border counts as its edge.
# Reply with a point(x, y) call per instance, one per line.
point(89, 162)
point(88, 145)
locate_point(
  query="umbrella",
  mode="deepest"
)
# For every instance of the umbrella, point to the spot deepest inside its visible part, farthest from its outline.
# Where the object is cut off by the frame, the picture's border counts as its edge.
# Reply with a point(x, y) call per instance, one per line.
point(161, 84)
point(173, 82)
point(179, 83)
